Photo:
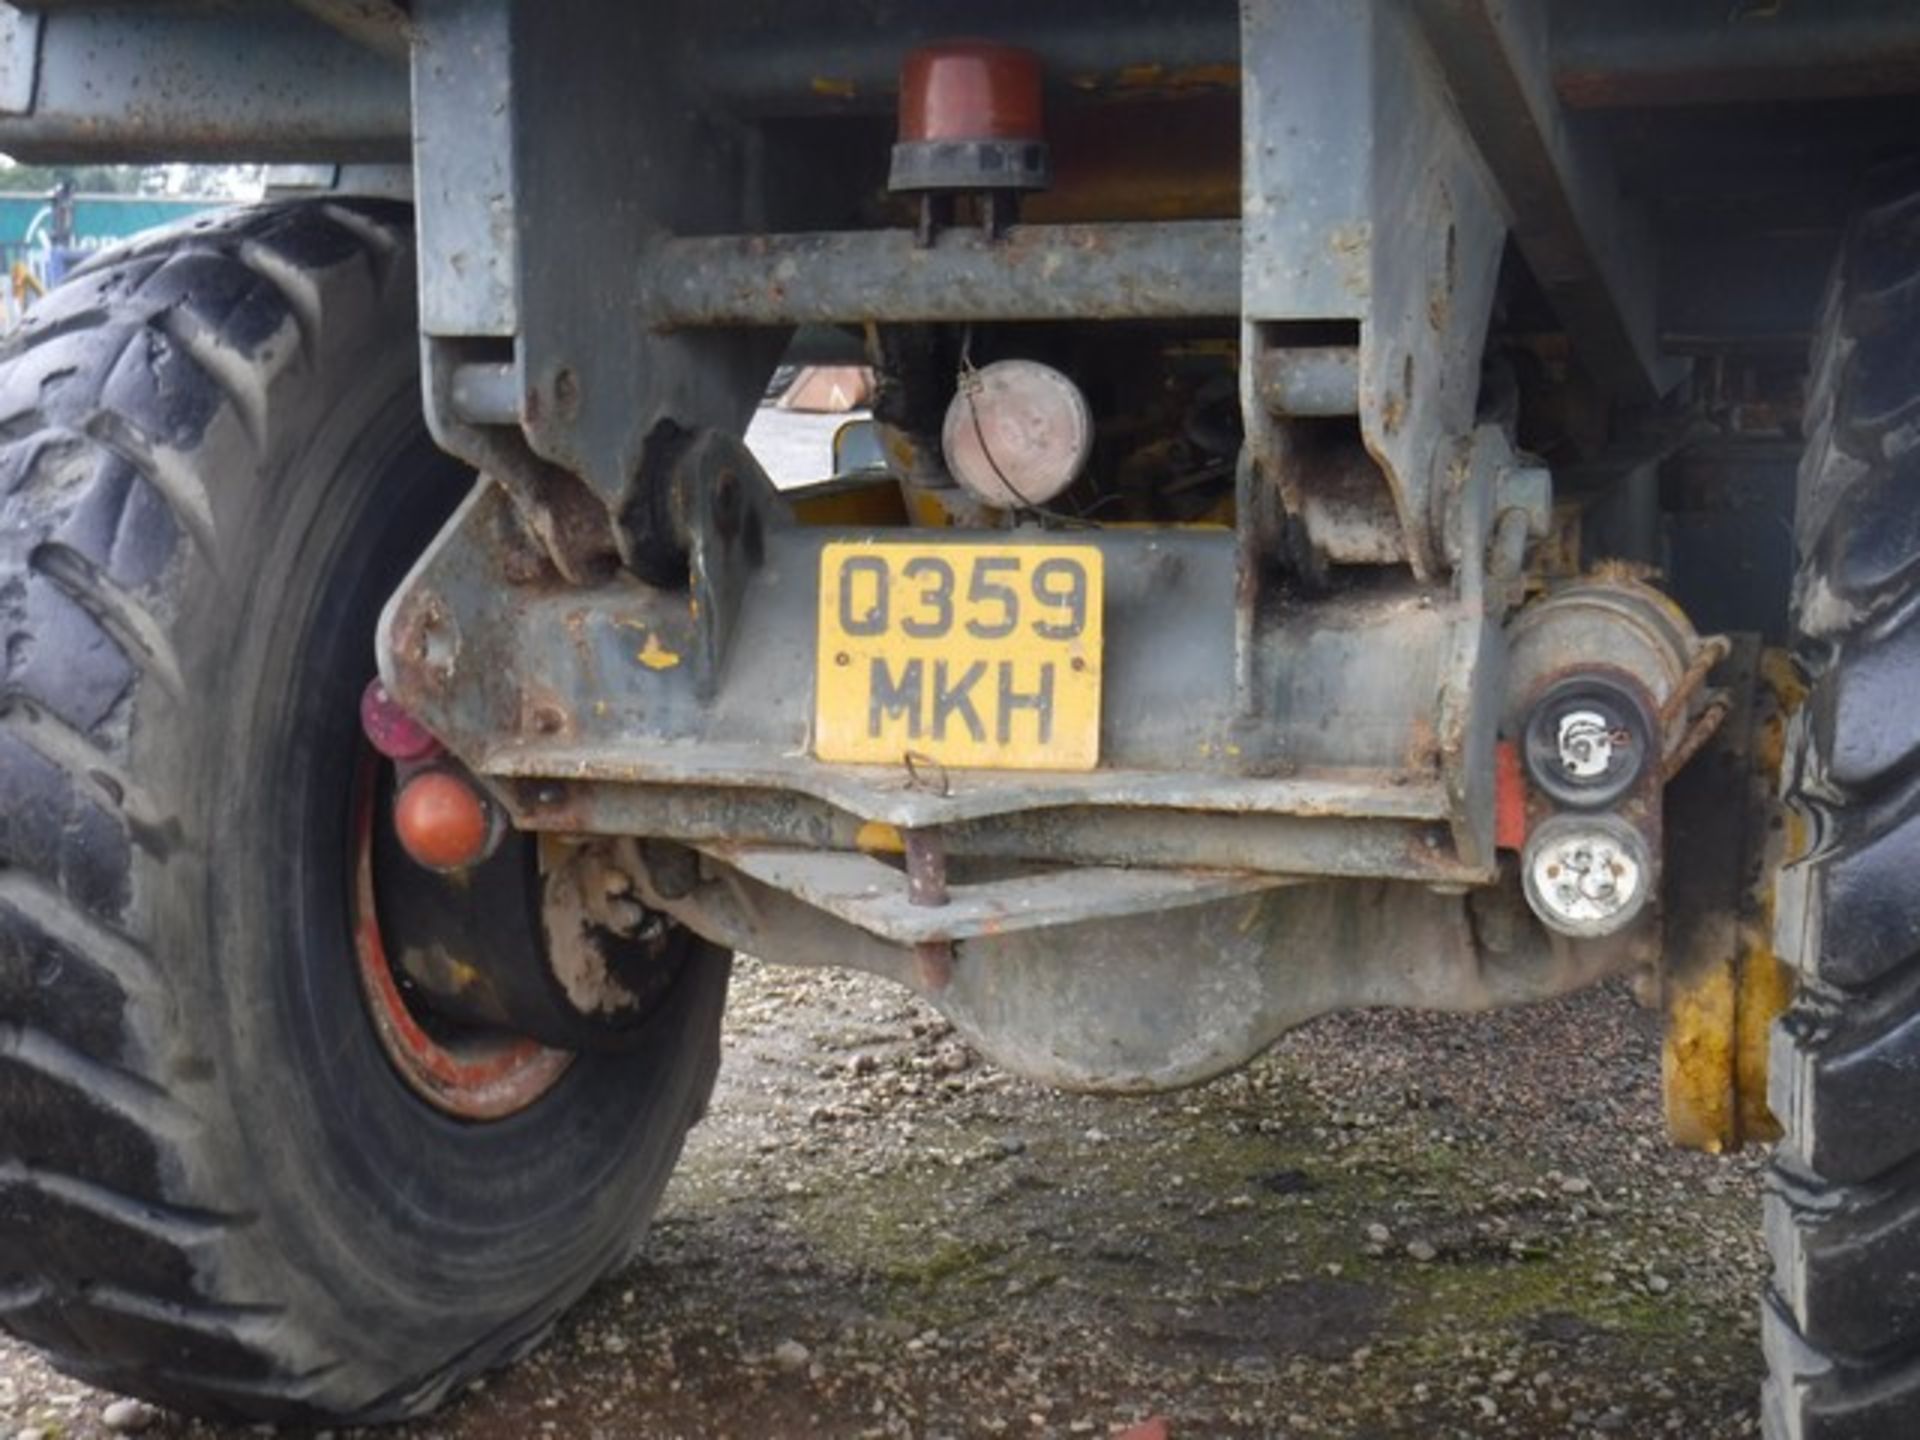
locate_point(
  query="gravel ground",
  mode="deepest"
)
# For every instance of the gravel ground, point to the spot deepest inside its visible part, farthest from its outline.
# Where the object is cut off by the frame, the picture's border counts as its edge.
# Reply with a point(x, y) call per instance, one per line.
point(1392, 1225)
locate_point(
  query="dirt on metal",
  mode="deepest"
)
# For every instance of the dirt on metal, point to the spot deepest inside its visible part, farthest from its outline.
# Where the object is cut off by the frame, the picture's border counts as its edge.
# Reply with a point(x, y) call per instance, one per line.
point(1393, 1225)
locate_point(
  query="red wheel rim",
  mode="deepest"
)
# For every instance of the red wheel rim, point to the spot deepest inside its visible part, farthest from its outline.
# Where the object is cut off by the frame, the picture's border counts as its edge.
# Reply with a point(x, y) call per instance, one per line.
point(479, 1076)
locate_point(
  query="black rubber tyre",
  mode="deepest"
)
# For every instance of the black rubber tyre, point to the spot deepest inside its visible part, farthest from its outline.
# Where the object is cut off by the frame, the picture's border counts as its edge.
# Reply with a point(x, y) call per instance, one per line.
point(1842, 1317)
point(215, 1191)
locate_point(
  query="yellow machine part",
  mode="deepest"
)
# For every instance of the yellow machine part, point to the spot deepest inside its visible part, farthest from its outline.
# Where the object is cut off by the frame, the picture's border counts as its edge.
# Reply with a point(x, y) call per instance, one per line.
point(1720, 1015)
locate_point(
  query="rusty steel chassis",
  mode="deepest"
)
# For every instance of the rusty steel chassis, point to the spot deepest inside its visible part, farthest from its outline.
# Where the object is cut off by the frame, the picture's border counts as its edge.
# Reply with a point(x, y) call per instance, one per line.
point(1296, 794)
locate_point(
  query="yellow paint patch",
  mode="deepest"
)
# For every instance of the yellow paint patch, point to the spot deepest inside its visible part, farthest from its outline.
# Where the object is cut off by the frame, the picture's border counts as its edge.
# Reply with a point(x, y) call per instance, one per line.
point(1696, 1060)
point(1720, 1021)
point(877, 838)
point(855, 504)
point(1765, 987)
point(656, 656)
point(831, 87)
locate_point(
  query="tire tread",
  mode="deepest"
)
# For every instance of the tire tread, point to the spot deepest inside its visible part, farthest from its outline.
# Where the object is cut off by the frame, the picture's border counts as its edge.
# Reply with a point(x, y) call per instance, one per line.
point(78, 392)
point(1842, 1314)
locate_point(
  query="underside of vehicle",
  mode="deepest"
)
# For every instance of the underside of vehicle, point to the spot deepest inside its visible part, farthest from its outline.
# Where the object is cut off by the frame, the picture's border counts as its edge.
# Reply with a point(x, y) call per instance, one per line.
point(1357, 526)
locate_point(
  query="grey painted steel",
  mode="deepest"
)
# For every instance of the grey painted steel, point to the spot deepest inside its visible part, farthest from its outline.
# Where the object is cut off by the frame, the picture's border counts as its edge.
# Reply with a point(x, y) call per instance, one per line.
point(467, 206)
point(1310, 380)
point(136, 84)
point(864, 892)
point(830, 59)
point(1588, 244)
point(1373, 211)
point(624, 685)
point(1124, 1005)
point(487, 393)
point(848, 65)
point(1124, 826)
point(1376, 213)
point(19, 59)
point(1168, 270)
point(610, 111)
point(387, 182)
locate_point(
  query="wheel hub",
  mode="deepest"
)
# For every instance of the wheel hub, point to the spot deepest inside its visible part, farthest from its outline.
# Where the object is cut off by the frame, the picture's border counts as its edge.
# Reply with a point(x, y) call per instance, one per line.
point(472, 1072)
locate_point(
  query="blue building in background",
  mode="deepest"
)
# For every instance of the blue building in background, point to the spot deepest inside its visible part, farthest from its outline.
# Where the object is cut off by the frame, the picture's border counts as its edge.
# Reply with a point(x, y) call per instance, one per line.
point(42, 236)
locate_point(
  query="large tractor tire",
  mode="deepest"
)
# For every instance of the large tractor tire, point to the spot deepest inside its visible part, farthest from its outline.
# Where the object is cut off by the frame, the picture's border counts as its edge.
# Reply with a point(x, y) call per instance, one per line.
point(1842, 1318)
point(219, 1187)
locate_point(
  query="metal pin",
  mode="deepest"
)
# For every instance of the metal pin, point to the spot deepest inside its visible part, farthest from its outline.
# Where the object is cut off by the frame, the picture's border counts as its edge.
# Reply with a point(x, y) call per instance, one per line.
point(927, 886)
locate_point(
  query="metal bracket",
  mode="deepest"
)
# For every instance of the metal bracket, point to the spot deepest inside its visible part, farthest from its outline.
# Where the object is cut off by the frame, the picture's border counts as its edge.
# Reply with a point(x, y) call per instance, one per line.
point(1590, 248)
point(726, 506)
point(874, 896)
point(514, 106)
point(1374, 249)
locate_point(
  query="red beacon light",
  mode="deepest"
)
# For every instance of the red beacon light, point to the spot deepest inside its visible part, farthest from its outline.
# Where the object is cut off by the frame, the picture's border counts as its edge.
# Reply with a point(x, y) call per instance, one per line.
point(970, 124)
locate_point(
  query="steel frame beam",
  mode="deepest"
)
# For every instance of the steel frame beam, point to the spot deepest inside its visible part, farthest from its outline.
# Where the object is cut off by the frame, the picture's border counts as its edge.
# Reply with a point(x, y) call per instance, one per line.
point(81, 80)
point(1588, 245)
point(685, 713)
point(124, 84)
point(1173, 270)
point(1663, 52)
point(1620, 54)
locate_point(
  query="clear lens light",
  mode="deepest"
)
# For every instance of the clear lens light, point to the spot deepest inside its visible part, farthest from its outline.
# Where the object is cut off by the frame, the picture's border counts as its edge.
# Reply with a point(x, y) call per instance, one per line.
point(1586, 876)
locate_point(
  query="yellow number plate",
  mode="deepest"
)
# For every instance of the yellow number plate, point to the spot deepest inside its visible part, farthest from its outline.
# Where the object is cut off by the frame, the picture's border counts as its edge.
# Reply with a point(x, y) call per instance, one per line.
point(966, 655)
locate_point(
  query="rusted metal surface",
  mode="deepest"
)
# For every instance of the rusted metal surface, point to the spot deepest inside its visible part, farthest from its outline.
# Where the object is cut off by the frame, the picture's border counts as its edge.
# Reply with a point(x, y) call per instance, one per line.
point(478, 1074)
point(557, 520)
point(1098, 1006)
point(925, 852)
point(1046, 831)
point(1384, 226)
point(821, 57)
point(926, 856)
point(707, 689)
point(1175, 161)
point(825, 60)
point(1147, 270)
point(1347, 506)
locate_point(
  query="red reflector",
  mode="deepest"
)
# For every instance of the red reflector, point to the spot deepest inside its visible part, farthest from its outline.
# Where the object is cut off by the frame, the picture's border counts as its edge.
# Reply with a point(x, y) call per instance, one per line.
point(1509, 797)
point(390, 729)
point(442, 821)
